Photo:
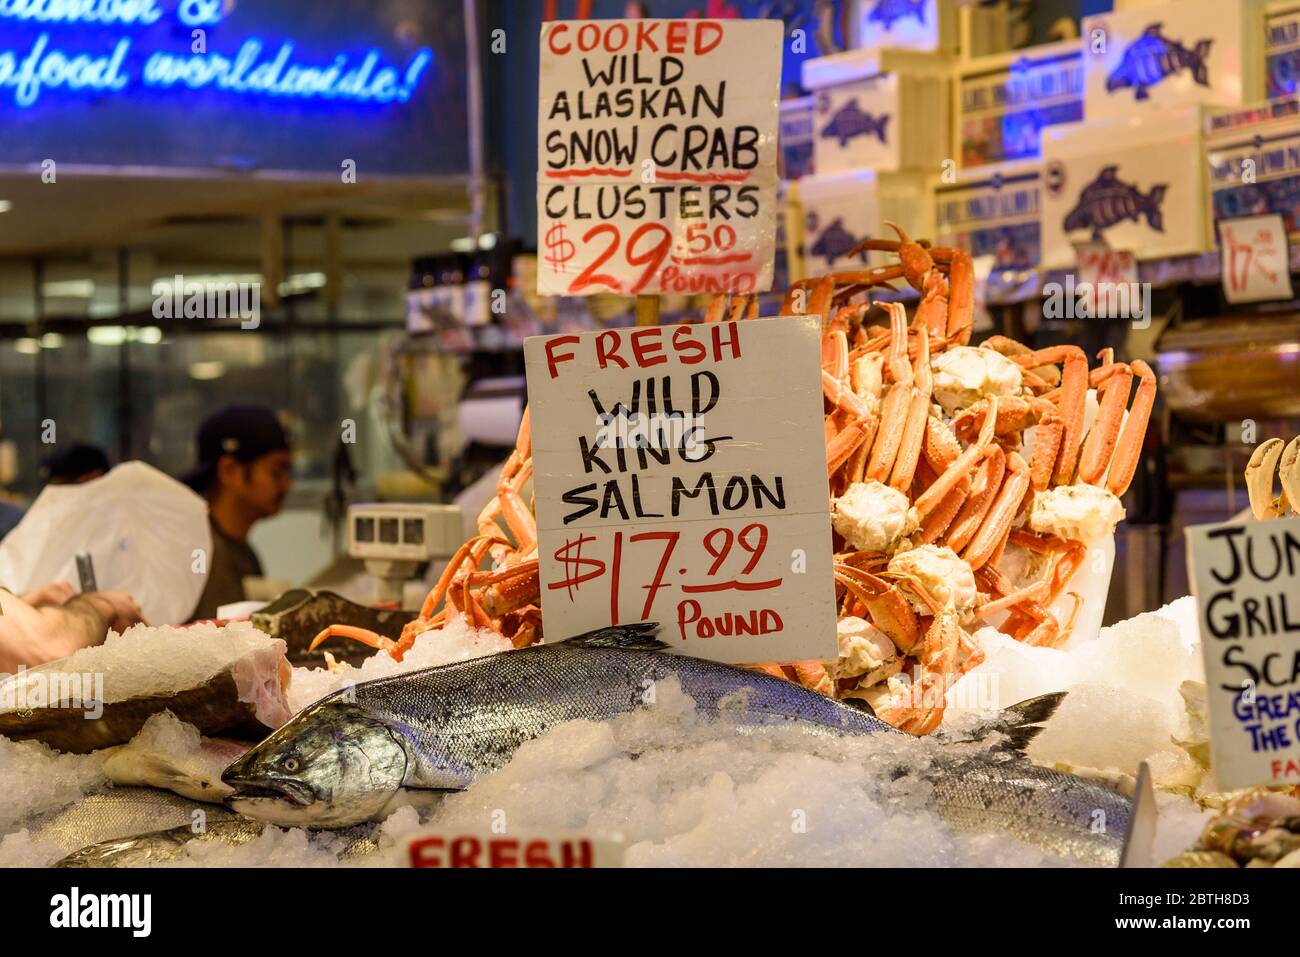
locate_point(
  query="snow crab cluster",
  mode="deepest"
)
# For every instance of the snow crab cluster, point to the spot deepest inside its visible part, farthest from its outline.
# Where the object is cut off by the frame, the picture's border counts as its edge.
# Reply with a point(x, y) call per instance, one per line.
point(966, 485)
point(966, 482)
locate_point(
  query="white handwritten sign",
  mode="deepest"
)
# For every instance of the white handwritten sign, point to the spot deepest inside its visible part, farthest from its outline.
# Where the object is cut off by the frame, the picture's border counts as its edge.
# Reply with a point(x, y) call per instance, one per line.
point(1102, 273)
point(680, 477)
point(1255, 257)
point(1247, 584)
point(657, 152)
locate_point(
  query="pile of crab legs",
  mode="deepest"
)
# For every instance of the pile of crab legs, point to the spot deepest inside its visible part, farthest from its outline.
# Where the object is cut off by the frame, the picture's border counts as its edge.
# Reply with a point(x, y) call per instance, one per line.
point(965, 477)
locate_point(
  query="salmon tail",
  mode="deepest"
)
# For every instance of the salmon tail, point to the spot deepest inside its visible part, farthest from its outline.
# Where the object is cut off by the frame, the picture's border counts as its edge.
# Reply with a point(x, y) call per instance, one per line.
point(1200, 70)
point(880, 127)
point(1155, 219)
point(1018, 724)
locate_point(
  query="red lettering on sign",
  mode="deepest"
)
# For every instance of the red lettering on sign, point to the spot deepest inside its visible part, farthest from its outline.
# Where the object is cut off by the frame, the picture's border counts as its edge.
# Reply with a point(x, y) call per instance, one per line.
point(1285, 769)
point(701, 30)
point(648, 347)
point(556, 32)
point(726, 334)
point(603, 357)
point(683, 341)
point(464, 852)
point(645, 35)
point(426, 852)
point(678, 31)
point(554, 358)
point(503, 852)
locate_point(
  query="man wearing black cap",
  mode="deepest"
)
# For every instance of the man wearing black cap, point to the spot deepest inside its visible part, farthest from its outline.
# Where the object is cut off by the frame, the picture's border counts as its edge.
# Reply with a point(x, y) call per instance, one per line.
point(244, 472)
point(74, 465)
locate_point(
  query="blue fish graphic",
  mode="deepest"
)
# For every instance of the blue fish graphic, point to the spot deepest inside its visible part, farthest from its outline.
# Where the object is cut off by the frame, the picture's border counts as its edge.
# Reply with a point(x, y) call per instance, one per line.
point(1152, 57)
point(834, 241)
point(1108, 200)
point(887, 12)
point(851, 121)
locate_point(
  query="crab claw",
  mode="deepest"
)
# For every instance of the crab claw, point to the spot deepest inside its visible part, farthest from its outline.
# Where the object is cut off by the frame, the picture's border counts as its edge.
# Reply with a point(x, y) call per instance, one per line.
point(916, 259)
point(1259, 478)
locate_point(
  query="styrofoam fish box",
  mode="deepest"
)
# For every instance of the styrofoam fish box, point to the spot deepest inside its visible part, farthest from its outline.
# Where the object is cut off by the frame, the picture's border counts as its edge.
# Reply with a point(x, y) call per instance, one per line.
point(1253, 162)
point(994, 212)
point(798, 117)
point(1282, 50)
point(1005, 101)
point(835, 212)
point(879, 109)
point(903, 24)
point(1135, 184)
point(1145, 61)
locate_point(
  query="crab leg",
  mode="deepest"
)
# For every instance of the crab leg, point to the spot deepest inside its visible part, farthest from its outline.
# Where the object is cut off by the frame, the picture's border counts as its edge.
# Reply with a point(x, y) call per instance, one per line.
point(961, 297)
point(971, 516)
point(962, 465)
point(894, 409)
point(918, 411)
point(1099, 445)
point(1074, 393)
point(363, 635)
point(1129, 447)
point(992, 536)
point(890, 610)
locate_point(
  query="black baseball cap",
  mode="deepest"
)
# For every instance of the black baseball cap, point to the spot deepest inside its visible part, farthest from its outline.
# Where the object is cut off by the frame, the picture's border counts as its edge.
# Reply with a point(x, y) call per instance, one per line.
point(245, 431)
point(72, 463)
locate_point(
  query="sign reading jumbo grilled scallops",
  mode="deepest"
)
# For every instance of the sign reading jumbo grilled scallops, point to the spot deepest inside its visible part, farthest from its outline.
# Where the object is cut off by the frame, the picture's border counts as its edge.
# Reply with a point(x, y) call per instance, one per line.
point(680, 477)
point(1247, 583)
point(656, 154)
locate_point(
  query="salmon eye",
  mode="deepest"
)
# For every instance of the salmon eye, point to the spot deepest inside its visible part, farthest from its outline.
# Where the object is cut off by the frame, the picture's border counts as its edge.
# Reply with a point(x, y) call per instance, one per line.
point(292, 765)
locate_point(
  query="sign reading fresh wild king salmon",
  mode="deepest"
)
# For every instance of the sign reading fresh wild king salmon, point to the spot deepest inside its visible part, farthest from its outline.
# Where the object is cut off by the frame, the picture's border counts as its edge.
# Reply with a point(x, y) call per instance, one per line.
point(680, 477)
point(657, 152)
point(1247, 583)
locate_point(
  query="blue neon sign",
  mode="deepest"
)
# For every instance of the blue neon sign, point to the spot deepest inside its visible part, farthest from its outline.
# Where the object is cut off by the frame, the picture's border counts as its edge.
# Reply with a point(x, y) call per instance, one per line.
point(56, 61)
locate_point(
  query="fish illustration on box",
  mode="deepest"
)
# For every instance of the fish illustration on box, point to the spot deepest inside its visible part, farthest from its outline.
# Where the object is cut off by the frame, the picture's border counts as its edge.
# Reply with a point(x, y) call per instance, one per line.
point(1154, 57)
point(851, 121)
point(1108, 201)
point(887, 12)
point(834, 241)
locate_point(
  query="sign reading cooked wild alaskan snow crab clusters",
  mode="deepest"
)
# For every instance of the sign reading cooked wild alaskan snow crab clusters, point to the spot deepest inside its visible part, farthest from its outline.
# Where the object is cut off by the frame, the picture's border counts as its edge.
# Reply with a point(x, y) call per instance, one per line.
point(657, 156)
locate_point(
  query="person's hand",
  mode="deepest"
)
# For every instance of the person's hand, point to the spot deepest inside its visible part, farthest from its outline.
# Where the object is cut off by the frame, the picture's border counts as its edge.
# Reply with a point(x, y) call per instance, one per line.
point(55, 593)
point(118, 608)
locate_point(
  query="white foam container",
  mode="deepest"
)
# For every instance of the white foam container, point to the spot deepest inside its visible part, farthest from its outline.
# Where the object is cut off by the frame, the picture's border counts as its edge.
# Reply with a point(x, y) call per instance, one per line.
point(1234, 29)
point(1157, 150)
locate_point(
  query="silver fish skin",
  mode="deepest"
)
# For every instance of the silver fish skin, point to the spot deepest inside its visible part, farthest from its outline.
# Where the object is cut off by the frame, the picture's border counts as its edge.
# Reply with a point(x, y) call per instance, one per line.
point(161, 848)
point(120, 812)
point(345, 759)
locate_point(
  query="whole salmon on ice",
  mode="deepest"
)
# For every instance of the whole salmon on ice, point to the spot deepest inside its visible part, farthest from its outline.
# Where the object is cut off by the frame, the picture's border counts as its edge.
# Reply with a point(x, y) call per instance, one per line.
point(349, 757)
